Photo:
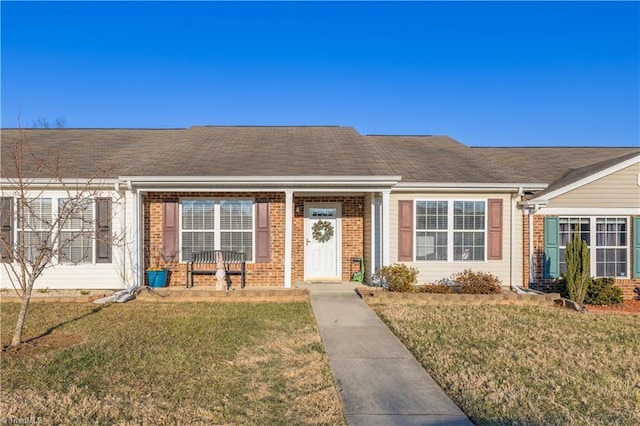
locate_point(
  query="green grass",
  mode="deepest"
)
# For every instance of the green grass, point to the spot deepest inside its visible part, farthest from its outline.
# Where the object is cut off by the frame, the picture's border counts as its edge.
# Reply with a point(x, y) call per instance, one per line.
point(190, 363)
point(506, 365)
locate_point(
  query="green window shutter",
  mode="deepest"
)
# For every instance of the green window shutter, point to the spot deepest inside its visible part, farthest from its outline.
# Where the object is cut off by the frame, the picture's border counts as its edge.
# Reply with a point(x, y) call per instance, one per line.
point(636, 247)
point(551, 248)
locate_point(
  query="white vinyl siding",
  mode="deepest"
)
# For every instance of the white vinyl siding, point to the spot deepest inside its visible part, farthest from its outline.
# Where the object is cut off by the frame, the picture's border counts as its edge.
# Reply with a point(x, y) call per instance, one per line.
point(117, 274)
point(618, 190)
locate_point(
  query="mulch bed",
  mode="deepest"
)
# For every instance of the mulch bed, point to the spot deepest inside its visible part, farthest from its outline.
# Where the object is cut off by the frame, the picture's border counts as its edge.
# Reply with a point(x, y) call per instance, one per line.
point(628, 307)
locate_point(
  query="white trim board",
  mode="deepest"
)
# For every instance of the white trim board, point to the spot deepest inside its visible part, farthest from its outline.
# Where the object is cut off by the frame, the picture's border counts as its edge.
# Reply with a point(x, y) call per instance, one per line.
point(586, 211)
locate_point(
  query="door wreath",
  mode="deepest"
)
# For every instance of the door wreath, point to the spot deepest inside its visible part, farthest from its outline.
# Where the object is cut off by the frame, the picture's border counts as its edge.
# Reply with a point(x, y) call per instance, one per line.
point(322, 231)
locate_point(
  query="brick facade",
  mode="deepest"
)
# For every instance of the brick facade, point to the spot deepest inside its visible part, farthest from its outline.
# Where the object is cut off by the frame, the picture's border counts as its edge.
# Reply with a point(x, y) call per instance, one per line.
point(541, 283)
point(259, 274)
point(352, 232)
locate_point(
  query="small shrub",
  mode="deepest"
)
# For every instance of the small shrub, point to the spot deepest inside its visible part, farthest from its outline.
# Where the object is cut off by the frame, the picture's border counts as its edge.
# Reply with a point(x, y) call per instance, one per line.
point(477, 282)
point(602, 291)
point(435, 288)
point(577, 275)
point(561, 286)
point(399, 277)
point(637, 291)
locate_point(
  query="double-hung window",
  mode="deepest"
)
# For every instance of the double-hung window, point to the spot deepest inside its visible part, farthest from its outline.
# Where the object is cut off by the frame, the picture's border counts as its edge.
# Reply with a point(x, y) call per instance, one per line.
point(450, 230)
point(76, 234)
point(82, 227)
point(34, 226)
point(211, 224)
point(606, 238)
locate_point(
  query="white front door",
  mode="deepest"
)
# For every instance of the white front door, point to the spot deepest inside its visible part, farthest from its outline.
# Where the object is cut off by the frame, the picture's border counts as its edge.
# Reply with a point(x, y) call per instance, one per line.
point(323, 242)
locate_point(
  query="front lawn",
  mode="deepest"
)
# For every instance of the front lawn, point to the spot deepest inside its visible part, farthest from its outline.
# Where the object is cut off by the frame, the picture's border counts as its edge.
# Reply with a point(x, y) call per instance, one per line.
point(185, 363)
point(523, 365)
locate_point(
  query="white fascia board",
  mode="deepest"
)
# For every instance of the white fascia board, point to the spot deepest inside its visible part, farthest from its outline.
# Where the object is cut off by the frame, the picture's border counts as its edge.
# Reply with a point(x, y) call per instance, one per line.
point(45, 183)
point(316, 190)
point(261, 182)
point(467, 187)
point(589, 179)
point(586, 211)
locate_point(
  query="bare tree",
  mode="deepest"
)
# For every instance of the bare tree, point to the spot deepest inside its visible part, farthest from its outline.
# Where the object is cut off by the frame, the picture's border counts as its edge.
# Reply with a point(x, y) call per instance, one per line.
point(36, 234)
point(43, 123)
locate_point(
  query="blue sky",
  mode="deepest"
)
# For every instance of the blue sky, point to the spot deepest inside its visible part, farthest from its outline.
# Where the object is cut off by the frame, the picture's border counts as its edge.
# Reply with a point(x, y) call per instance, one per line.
point(487, 74)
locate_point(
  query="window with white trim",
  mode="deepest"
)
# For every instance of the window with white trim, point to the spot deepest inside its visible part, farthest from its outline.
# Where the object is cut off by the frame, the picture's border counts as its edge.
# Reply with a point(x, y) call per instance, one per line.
point(34, 226)
point(469, 230)
point(76, 241)
point(208, 224)
point(610, 234)
point(450, 230)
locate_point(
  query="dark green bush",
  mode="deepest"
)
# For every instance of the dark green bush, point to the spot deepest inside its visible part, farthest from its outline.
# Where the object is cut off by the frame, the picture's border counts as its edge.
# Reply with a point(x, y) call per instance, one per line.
point(561, 286)
point(602, 291)
point(435, 288)
point(477, 282)
point(399, 277)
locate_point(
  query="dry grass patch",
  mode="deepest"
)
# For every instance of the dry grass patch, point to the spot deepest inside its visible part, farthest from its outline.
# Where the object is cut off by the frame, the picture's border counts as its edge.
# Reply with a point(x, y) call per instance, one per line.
point(525, 365)
point(189, 363)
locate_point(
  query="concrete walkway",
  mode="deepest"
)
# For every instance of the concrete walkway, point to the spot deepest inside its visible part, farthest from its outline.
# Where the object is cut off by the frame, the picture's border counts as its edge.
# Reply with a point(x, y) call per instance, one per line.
point(379, 381)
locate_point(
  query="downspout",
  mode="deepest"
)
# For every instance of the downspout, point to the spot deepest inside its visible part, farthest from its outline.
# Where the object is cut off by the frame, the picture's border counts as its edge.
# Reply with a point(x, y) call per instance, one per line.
point(139, 237)
point(514, 198)
point(123, 226)
point(531, 211)
point(129, 293)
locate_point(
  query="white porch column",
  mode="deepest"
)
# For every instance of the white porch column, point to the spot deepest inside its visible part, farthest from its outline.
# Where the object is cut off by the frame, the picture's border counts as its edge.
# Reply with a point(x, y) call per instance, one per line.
point(372, 266)
point(288, 236)
point(386, 228)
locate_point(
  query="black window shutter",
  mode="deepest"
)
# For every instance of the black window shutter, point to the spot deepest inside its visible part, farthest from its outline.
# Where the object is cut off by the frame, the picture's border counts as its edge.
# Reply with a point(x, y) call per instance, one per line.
point(6, 228)
point(103, 230)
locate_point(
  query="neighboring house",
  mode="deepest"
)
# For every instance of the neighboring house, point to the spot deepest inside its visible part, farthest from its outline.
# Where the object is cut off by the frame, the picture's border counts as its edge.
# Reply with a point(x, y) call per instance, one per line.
point(303, 202)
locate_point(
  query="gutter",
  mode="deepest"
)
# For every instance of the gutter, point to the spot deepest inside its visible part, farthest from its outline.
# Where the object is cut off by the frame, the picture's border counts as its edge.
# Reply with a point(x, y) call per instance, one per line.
point(243, 181)
point(45, 183)
point(514, 197)
point(468, 187)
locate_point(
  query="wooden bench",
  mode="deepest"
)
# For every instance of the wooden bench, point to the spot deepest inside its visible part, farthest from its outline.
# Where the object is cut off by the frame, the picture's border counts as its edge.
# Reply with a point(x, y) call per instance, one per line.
point(204, 263)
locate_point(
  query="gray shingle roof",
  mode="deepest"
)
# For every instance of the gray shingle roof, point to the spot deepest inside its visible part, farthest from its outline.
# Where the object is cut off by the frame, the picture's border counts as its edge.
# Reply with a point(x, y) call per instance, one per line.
point(433, 159)
point(204, 151)
point(299, 151)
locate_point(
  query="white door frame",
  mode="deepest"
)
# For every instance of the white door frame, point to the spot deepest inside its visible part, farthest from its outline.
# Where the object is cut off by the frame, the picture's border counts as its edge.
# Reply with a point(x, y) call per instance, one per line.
point(338, 237)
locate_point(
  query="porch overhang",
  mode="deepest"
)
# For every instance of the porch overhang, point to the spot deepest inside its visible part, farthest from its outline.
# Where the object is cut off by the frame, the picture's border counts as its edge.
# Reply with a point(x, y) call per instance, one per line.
point(260, 183)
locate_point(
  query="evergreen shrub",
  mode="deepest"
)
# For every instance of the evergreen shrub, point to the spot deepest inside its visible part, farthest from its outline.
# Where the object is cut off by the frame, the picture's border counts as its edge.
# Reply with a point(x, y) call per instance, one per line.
point(399, 277)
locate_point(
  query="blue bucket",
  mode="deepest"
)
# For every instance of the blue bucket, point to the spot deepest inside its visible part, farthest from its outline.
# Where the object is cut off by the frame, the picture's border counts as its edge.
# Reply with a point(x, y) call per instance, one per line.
point(157, 278)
